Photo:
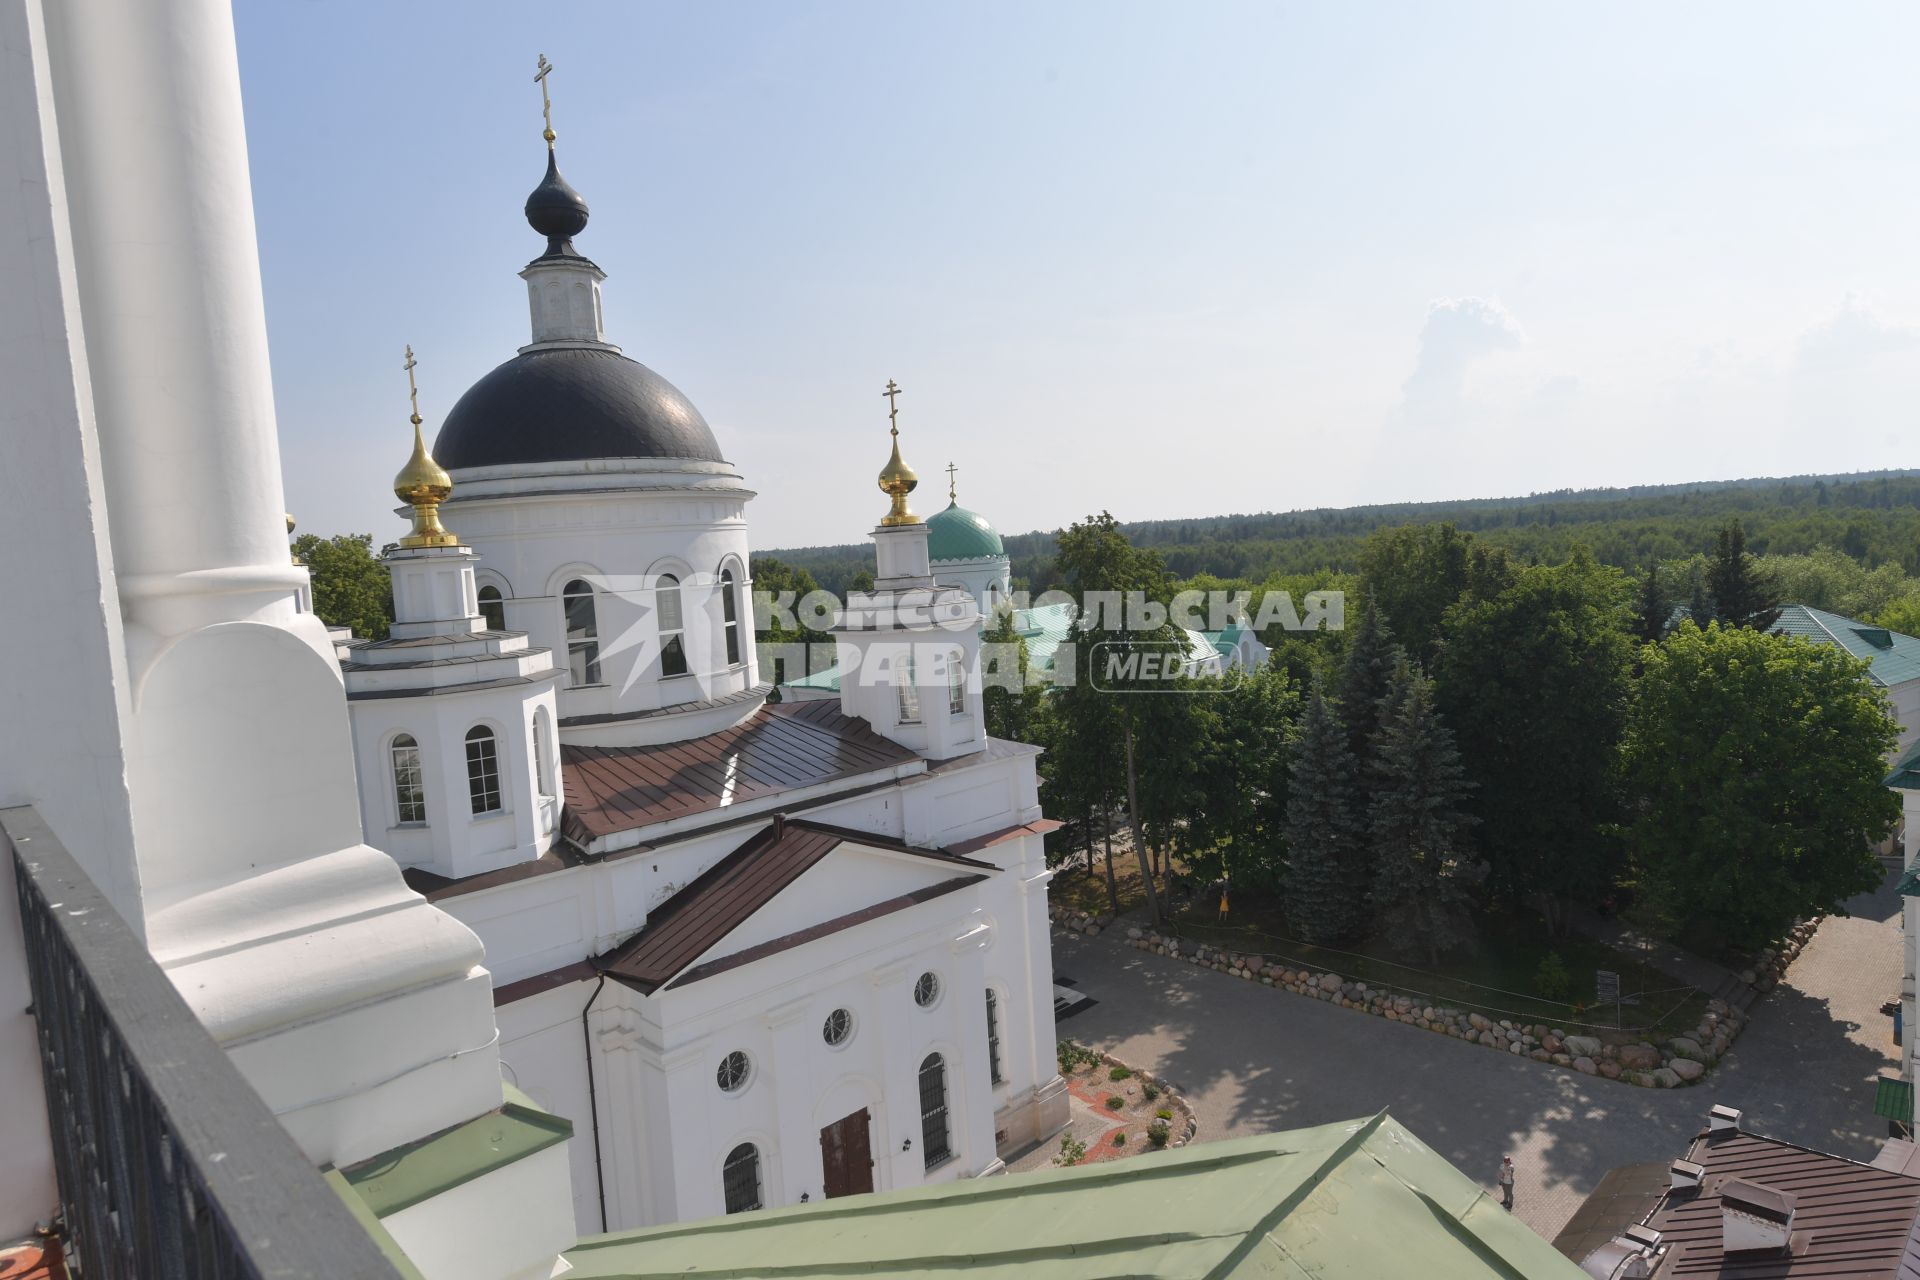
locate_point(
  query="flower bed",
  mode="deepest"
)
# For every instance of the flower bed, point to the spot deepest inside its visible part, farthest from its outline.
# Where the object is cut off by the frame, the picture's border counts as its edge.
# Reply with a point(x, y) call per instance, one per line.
point(1137, 1104)
point(1595, 1051)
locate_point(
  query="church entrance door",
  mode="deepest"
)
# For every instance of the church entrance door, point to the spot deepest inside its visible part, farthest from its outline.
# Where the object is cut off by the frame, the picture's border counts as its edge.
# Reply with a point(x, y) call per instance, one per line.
point(846, 1156)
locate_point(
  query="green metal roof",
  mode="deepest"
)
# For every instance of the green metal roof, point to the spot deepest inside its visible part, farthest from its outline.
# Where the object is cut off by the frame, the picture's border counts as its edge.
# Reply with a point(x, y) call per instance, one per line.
point(1224, 640)
point(960, 534)
point(405, 1176)
point(1894, 1099)
point(1909, 886)
point(1352, 1201)
point(1894, 658)
point(1905, 774)
point(1045, 627)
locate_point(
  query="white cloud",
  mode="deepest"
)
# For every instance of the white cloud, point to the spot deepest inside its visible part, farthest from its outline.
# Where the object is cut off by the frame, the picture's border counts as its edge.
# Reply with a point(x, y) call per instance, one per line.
point(1852, 335)
point(1457, 332)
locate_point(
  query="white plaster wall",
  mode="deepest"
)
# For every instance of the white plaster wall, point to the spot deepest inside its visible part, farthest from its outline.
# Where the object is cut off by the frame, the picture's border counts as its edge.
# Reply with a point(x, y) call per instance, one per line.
point(774, 1011)
point(453, 842)
point(989, 579)
point(532, 544)
point(65, 707)
point(1905, 698)
point(542, 1052)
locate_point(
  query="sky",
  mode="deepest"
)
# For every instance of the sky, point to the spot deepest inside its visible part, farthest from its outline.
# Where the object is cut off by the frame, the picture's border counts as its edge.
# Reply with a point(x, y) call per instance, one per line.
point(1167, 260)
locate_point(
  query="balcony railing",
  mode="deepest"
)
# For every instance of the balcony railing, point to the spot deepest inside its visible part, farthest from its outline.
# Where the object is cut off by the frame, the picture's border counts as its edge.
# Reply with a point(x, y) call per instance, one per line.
point(169, 1164)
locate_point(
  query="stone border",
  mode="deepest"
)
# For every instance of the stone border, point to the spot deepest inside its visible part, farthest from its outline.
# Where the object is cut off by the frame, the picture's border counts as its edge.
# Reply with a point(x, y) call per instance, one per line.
point(1683, 1061)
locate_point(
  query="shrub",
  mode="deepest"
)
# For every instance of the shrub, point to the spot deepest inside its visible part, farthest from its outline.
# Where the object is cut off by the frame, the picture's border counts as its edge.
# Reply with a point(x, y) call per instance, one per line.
point(1115, 1102)
point(1072, 1055)
point(1072, 1150)
point(1119, 1073)
point(1550, 980)
point(1120, 1138)
point(1149, 1090)
point(1164, 1113)
point(1157, 1133)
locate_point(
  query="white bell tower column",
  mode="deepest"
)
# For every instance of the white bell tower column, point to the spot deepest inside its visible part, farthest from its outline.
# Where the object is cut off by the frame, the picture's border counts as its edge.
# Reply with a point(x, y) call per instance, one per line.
point(361, 1014)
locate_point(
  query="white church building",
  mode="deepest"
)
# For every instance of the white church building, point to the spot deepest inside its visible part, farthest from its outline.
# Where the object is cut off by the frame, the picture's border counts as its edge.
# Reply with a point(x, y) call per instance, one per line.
point(758, 953)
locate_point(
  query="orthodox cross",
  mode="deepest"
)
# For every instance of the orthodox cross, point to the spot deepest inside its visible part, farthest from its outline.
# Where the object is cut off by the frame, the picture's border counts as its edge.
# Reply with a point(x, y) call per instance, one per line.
point(413, 391)
point(893, 406)
point(546, 103)
point(953, 494)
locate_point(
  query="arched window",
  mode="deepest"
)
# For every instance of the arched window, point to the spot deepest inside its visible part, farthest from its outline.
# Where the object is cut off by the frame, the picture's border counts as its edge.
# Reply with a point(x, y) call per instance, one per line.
point(933, 1111)
point(730, 616)
point(993, 1037)
point(909, 692)
point(493, 608)
point(542, 779)
point(583, 633)
point(483, 770)
point(740, 1176)
point(409, 796)
point(956, 684)
point(673, 640)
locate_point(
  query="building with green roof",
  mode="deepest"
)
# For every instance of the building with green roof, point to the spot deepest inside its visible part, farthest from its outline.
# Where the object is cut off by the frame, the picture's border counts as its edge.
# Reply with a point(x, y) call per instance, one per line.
point(1893, 659)
point(1359, 1200)
point(966, 549)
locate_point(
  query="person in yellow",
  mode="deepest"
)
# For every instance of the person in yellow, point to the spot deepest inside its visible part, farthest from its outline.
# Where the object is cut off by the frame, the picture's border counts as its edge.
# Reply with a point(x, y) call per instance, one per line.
point(1223, 902)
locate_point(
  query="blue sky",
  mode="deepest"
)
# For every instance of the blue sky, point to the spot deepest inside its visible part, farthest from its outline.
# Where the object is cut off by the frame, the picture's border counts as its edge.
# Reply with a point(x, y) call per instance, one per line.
point(1168, 260)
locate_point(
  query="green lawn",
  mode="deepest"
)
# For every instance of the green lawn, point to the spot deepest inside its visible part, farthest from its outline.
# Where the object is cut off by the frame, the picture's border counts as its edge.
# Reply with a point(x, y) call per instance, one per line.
point(1496, 977)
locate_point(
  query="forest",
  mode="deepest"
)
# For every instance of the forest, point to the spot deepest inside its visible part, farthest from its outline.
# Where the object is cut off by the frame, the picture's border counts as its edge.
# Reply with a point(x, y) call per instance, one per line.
point(1873, 517)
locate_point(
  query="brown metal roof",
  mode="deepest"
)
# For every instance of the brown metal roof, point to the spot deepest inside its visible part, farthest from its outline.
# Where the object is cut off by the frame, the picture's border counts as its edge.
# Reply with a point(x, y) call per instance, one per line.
point(1851, 1221)
point(727, 893)
point(781, 747)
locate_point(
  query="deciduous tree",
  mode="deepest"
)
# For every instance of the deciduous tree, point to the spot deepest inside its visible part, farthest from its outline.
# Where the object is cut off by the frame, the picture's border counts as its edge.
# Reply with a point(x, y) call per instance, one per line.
point(351, 588)
point(1755, 764)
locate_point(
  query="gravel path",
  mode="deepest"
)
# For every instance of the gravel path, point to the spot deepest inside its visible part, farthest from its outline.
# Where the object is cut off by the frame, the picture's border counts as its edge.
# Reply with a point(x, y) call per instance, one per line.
point(1251, 1060)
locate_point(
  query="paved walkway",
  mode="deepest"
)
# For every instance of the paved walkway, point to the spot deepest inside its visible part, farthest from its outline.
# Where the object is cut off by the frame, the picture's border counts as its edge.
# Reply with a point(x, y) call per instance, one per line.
point(1251, 1060)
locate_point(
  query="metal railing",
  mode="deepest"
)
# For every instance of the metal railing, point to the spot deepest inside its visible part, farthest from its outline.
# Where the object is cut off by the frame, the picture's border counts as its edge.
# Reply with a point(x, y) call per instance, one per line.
point(170, 1166)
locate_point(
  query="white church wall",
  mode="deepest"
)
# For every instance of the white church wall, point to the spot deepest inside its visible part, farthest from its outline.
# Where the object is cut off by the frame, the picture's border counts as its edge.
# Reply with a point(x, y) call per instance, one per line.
point(987, 578)
point(542, 1053)
point(454, 841)
point(536, 544)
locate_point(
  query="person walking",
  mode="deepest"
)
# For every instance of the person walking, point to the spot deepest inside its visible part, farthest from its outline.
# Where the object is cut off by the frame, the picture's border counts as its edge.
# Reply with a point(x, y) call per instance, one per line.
point(1506, 1183)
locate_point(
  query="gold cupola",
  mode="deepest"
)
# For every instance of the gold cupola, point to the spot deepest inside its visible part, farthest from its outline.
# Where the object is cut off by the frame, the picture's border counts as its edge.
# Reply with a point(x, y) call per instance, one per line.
point(423, 483)
point(897, 479)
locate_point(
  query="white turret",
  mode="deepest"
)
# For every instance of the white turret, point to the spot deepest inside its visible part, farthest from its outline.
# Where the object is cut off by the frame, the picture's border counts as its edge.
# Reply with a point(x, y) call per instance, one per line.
point(909, 651)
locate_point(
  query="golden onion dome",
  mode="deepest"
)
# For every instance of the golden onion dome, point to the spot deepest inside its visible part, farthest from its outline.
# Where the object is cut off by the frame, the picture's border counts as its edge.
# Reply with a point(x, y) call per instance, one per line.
point(423, 483)
point(897, 479)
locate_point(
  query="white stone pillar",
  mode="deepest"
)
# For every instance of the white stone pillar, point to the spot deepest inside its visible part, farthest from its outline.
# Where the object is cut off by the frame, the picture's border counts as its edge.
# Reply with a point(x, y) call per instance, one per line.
point(154, 147)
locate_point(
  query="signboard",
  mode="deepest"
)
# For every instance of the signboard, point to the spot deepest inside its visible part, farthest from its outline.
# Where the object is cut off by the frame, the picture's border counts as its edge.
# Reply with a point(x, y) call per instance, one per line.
point(1606, 986)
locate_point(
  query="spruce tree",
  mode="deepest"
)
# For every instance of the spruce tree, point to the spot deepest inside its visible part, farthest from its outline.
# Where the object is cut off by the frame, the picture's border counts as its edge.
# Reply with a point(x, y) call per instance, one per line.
point(1742, 593)
point(1327, 876)
point(1654, 606)
point(1423, 880)
point(1372, 657)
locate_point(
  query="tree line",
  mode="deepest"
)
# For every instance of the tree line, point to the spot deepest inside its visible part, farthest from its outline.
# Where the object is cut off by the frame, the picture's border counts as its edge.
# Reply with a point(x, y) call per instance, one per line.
point(1485, 733)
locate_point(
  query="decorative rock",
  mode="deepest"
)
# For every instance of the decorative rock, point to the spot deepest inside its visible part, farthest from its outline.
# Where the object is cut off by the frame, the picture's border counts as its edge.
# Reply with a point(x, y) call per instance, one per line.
point(1479, 1022)
point(1560, 1059)
point(1610, 1069)
point(1092, 929)
point(1135, 934)
point(1540, 1055)
point(1514, 1048)
point(1665, 1078)
point(1487, 1038)
point(1552, 1043)
point(1586, 1066)
point(1685, 1048)
point(1686, 1069)
point(1639, 1057)
point(1583, 1046)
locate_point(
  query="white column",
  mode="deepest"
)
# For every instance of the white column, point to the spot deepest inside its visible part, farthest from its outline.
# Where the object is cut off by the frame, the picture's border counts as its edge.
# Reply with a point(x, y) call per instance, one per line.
point(154, 146)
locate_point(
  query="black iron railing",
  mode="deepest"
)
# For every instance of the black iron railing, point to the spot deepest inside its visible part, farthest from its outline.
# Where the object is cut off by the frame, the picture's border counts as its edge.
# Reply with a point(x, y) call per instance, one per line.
point(170, 1166)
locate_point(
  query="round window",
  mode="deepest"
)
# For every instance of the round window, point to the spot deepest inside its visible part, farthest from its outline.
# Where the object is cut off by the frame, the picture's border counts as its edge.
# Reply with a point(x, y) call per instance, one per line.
point(732, 1073)
point(838, 1027)
point(926, 991)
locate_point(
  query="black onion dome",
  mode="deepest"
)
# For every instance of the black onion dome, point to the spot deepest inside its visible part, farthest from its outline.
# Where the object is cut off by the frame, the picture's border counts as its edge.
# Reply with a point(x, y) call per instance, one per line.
point(556, 210)
point(572, 404)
